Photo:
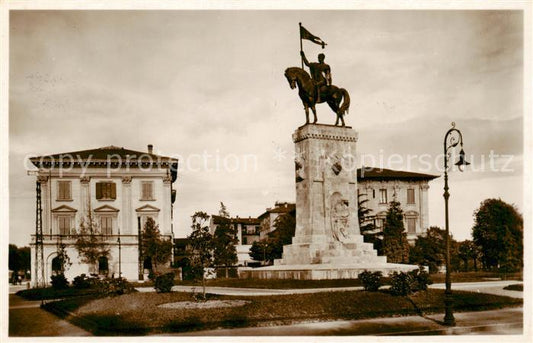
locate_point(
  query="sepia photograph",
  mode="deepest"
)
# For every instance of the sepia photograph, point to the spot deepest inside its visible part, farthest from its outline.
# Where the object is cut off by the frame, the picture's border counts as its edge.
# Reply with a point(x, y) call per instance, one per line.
point(262, 169)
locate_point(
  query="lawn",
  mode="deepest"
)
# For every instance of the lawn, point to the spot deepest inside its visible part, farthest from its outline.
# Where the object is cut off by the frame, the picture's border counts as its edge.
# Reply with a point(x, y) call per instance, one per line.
point(138, 314)
point(516, 287)
point(50, 293)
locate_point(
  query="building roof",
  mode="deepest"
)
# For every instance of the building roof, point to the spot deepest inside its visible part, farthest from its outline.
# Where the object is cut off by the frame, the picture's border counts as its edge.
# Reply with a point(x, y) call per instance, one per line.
point(280, 207)
point(389, 174)
point(104, 156)
point(236, 220)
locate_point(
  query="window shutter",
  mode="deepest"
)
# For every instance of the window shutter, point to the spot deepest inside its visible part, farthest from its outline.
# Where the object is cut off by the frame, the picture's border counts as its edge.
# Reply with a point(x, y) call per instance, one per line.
point(143, 191)
point(410, 196)
point(98, 191)
point(113, 190)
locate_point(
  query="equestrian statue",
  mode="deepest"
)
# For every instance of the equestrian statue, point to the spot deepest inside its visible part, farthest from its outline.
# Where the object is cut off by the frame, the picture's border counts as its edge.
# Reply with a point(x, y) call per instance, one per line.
point(317, 88)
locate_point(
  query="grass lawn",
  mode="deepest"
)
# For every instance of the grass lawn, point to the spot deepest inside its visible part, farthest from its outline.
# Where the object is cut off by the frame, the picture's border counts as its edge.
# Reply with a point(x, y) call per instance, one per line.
point(516, 287)
point(50, 293)
point(138, 314)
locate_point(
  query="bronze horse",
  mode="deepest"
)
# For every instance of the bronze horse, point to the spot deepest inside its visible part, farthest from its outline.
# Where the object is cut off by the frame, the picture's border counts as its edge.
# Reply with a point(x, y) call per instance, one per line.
point(307, 92)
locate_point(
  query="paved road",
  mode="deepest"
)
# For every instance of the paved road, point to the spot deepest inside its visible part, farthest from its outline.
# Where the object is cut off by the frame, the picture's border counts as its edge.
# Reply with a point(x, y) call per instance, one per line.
point(497, 322)
point(27, 319)
point(490, 287)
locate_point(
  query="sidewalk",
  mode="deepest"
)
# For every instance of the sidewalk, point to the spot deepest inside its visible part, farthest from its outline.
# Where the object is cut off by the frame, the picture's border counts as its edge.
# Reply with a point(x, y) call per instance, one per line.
point(27, 319)
point(506, 321)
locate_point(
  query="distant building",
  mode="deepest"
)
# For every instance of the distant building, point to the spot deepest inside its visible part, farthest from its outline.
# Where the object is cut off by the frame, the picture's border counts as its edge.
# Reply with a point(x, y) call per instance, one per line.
point(268, 218)
point(381, 186)
point(120, 188)
point(248, 231)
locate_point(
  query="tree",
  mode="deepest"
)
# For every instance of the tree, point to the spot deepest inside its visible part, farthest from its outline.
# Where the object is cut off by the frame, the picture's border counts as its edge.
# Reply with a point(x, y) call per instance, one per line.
point(498, 232)
point(62, 257)
point(284, 228)
point(15, 264)
point(261, 251)
point(467, 251)
point(154, 247)
point(429, 249)
point(90, 242)
point(366, 225)
point(224, 241)
point(201, 245)
point(271, 248)
point(395, 245)
point(19, 259)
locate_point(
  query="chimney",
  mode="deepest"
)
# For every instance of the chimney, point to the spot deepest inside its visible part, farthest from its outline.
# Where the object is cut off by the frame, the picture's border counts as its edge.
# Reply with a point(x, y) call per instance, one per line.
point(150, 148)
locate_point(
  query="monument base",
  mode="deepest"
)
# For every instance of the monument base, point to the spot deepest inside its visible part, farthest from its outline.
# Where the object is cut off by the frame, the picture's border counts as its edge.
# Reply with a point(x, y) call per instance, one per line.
point(321, 271)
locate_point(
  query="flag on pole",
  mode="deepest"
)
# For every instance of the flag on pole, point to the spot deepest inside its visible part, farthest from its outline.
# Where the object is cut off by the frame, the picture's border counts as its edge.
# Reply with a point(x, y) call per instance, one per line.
point(304, 34)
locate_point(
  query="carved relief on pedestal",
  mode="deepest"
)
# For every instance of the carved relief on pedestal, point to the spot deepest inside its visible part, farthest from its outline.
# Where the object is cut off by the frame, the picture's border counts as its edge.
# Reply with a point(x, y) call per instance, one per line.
point(340, 217)
point(126, 180)
point(42, 179)
point(85, 180)
point(299, 169)
point(167, 180)
point(336, 166)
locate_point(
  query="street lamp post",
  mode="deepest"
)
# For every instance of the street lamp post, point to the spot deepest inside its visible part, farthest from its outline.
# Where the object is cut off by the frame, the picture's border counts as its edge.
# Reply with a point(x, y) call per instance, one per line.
point(119, 256)
point(451, 139)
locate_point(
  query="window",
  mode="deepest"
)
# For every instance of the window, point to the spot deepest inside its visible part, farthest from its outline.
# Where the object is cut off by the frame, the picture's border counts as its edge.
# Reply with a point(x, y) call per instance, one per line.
point(106, 191)
point(147, 190)
point(63, 190)
point(106, 224)
point(383, 196)
point(373, 194)
point(64, 225)
point(411, 225)
point(410, 196)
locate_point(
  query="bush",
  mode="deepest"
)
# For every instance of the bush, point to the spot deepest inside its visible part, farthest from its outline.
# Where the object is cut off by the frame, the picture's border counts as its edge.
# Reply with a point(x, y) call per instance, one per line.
point(81, 282)
point(59, 281)
point(163, 283)
point(407, 283)
point(420, 280)
point(400, 284)
point(111, 287)
point(371, 280)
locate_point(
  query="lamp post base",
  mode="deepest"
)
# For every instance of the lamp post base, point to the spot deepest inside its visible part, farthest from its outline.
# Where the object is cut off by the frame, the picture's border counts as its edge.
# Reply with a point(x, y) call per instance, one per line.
point(449, 319)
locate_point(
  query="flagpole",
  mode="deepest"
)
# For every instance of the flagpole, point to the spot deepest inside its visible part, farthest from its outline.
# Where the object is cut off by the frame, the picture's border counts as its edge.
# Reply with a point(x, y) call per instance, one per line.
point(301, 45)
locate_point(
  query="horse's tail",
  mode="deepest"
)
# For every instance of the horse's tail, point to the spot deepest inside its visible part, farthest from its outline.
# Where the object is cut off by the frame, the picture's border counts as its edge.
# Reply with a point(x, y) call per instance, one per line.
point(345, 103)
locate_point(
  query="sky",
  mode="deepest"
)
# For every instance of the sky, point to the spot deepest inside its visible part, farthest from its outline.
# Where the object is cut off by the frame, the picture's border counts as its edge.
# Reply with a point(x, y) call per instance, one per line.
point(209, 86)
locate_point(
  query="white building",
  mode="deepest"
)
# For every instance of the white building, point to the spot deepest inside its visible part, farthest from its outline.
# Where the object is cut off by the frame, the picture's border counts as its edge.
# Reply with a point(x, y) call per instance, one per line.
point(381, 186)
point(120, 188)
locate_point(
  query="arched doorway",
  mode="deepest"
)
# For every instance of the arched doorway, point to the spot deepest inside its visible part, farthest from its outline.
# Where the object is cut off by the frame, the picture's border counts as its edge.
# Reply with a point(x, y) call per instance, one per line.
point(57, 265)
point(103, 266)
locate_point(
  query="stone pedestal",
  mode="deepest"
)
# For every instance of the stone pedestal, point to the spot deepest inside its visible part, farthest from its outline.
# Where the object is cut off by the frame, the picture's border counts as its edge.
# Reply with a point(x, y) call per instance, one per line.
point(327, 242)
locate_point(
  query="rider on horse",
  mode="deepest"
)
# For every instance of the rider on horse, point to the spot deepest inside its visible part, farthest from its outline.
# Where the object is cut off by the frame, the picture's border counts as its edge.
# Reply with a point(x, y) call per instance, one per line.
point(320, 72)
